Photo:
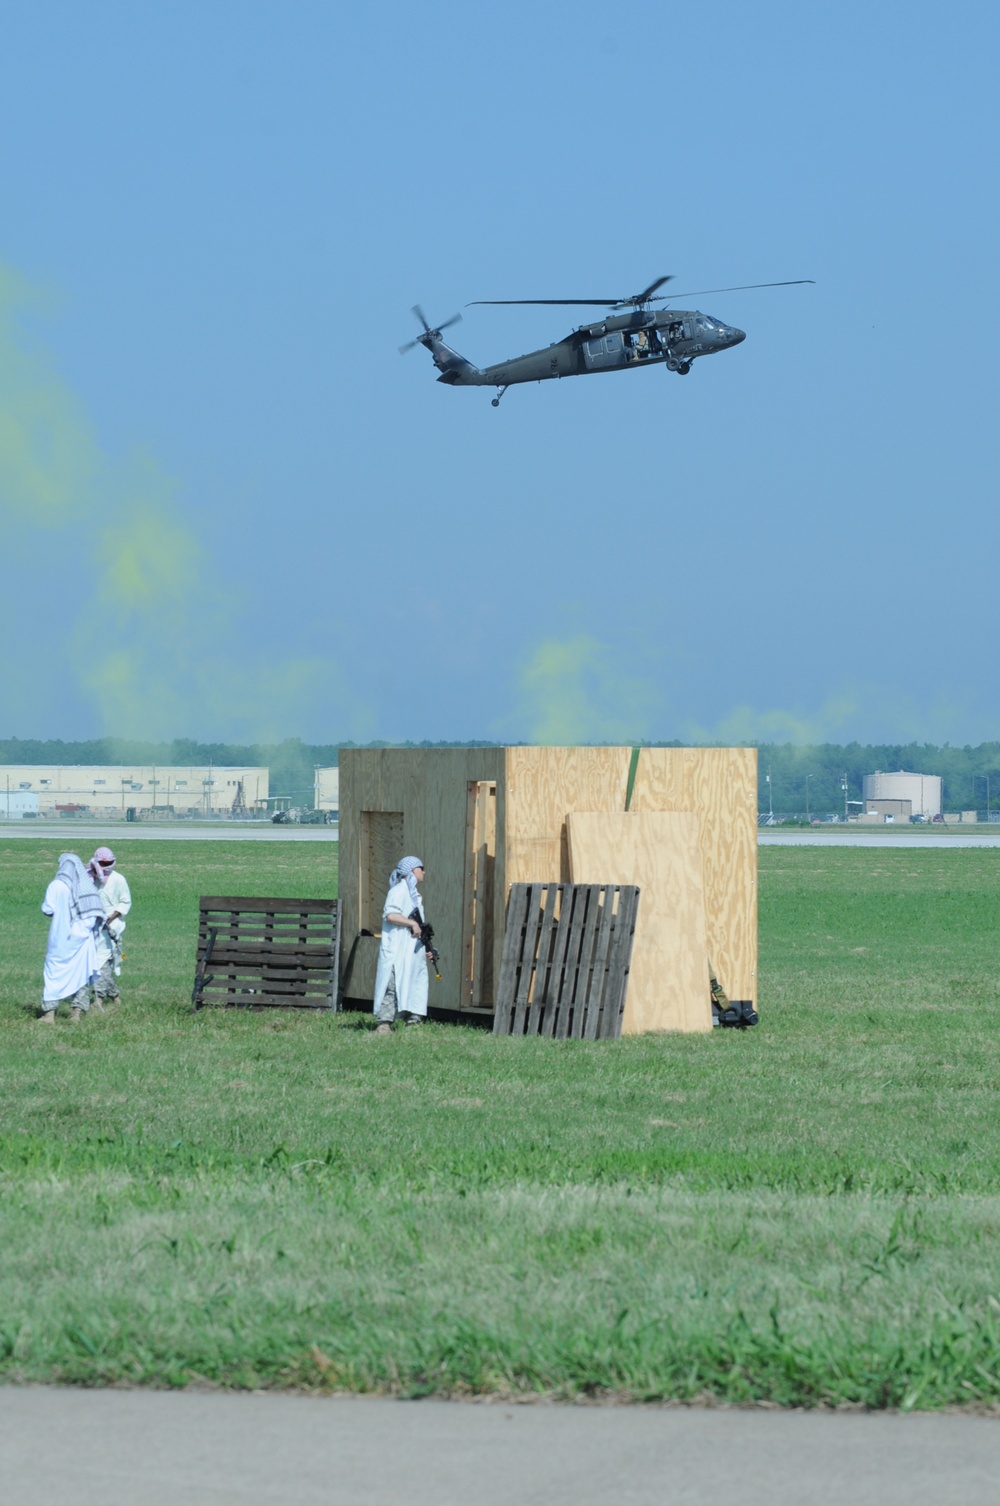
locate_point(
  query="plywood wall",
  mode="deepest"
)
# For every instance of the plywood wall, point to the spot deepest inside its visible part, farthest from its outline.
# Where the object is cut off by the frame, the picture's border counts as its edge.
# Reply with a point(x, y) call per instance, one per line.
point(536, 788)
point(720, 786)
point(542, 785)
point(429, 787)
point(661, 852)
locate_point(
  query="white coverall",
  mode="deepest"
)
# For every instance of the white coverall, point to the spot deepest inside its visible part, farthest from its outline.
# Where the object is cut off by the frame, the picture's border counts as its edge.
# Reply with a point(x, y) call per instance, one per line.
point(401, 953)
point(71, 954)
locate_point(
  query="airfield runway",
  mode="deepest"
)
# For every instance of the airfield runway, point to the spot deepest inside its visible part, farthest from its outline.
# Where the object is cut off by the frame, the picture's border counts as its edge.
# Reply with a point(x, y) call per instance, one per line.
point(80, 833)
point(771, 838)
point(153, 1448)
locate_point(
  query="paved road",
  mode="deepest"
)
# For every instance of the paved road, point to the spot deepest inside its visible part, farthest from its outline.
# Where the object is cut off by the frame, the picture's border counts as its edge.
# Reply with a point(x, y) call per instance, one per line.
point(142, 1448)
point(71, 834)
point(873, 839)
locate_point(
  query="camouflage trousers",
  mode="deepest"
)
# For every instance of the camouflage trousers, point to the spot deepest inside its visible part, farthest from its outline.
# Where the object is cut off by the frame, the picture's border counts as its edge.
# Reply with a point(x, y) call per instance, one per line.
point(106, 984)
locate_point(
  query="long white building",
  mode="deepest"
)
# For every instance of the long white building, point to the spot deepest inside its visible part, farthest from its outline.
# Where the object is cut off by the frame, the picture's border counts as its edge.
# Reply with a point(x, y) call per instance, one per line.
point(112, 789)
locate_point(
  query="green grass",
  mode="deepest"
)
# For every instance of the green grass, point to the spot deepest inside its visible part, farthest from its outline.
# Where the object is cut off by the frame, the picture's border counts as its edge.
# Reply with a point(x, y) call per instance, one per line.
point(806, 1213)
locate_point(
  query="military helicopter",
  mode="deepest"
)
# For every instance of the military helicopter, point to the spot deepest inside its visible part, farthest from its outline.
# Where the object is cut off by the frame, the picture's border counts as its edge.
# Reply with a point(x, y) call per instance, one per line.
point(618, 341)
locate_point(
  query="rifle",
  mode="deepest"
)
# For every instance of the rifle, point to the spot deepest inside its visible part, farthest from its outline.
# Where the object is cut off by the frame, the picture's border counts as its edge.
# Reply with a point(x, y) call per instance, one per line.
point(426, 941)
point(200, 978)
point(116, 950)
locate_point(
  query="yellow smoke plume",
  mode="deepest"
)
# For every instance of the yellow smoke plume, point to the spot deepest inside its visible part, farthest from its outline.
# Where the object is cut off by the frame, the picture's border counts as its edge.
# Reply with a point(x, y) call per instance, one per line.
point(48, 457)
point(744, 726)
point(157, 647)
point(576, 690)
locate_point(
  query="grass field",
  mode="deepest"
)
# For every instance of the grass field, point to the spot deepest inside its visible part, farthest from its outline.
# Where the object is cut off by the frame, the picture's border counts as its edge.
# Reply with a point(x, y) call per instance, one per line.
point(806, 1213)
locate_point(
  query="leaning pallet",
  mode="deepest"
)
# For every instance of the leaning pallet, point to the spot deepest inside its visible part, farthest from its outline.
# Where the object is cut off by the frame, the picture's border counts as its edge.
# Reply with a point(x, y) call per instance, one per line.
point(267, 953)
point(566, 956)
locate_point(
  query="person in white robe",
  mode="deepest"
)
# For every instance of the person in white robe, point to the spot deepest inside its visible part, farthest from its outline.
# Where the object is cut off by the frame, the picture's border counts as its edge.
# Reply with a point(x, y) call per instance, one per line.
point(116, 897)
point(75, 908)
point(401, 979)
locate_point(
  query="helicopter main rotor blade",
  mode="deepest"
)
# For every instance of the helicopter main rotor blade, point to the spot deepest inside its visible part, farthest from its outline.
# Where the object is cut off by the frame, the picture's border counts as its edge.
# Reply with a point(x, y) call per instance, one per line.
point(636, 301)
point(644, 297)
point(602, 303)
point(743, 288)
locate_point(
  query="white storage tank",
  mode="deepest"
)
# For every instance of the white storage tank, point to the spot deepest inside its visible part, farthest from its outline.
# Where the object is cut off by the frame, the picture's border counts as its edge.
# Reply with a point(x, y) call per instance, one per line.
point(922, 790)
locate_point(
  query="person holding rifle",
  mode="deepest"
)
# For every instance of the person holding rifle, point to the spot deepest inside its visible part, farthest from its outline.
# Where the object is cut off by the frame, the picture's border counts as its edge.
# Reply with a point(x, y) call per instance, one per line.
point(401, 980)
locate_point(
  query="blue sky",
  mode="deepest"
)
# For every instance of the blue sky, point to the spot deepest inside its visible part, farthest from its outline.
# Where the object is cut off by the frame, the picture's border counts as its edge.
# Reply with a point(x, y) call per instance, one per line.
point(232, 511)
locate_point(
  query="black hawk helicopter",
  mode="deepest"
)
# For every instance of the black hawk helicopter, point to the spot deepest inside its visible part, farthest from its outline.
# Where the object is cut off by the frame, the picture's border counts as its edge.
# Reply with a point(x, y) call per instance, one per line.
point(638, 336)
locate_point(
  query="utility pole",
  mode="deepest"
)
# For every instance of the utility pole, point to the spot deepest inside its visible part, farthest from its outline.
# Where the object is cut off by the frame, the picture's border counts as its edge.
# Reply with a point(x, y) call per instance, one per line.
point(843, 786)
point(770, 798)
point(808, 777)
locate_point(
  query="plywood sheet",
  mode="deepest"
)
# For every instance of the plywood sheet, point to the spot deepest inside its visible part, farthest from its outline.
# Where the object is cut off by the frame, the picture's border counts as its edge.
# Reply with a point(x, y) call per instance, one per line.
point(661, 853)
point(541, 785)
point(720, 786)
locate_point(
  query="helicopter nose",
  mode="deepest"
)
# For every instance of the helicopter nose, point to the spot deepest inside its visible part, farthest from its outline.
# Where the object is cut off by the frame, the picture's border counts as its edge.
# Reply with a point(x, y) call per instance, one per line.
point(736, 336)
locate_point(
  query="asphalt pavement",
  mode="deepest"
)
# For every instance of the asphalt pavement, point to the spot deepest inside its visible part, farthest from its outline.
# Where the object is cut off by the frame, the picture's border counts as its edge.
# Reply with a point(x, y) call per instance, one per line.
point(147, 1448)
point(70, 834)
point(772, 838)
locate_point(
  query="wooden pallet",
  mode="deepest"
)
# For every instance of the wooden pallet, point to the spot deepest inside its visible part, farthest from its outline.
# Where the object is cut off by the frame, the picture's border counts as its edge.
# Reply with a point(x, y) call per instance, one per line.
point(267, 953)
point(566, 956)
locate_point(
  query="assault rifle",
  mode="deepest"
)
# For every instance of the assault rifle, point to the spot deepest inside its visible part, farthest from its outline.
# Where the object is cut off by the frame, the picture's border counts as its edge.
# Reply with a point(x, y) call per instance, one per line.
point(425, 941)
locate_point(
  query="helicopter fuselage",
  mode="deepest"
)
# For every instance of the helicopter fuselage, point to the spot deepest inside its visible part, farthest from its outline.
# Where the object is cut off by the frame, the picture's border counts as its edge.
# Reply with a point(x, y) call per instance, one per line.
point(619, 342)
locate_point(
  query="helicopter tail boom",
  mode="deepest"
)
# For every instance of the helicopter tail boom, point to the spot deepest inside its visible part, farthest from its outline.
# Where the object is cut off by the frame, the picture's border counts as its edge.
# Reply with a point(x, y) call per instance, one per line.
point(455, 370)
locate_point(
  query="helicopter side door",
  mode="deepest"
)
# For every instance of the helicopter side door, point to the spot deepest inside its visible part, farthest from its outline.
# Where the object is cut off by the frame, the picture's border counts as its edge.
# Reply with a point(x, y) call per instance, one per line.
point(604, 353)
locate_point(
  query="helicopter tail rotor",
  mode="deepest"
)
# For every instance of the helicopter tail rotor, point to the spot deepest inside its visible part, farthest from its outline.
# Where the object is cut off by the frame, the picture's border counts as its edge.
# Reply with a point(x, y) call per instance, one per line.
point(428, 334)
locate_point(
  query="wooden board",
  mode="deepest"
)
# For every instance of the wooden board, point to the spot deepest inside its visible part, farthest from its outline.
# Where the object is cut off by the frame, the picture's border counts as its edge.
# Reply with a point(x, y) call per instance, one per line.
point(566, 959)
point(478, 989)
point(429, 788)
point(542, 784)
point(720, 786)
point(255, 952)
point(661, 853)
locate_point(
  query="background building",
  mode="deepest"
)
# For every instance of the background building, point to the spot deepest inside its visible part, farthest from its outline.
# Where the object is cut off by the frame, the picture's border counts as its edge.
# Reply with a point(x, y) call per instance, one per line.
point(327, 789)
point(922, 790)
point(112, 789)
point(887, 810)
point(18, 802)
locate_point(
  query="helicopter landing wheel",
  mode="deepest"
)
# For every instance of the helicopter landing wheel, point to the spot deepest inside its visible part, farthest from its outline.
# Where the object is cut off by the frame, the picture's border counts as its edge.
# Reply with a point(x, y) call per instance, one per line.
point(684, 368)
point(494, 402)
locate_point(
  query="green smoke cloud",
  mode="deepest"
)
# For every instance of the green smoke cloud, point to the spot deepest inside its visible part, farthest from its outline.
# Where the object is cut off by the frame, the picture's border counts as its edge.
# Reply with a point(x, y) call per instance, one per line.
point(576, 690)
point(156, 649)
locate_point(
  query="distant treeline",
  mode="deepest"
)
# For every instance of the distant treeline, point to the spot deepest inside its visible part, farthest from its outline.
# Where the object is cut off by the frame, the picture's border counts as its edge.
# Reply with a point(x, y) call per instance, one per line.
point(971, 776)
point(291, 763)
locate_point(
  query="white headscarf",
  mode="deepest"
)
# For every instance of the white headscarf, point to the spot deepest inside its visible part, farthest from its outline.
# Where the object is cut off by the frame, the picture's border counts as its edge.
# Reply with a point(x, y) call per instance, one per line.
point(404, 870)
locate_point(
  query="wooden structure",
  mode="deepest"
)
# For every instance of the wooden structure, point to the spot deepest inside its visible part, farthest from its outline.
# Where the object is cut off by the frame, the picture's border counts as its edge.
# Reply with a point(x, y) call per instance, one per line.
point(484, 819)
point(659, 851)
point(267, 953)
point(566, 955)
